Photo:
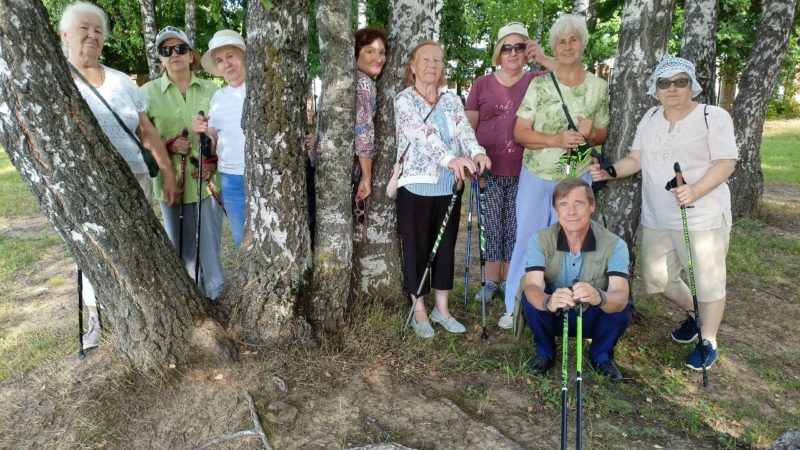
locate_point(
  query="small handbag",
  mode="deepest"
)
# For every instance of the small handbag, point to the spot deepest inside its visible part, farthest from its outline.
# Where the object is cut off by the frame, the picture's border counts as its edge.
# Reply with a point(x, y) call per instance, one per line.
point(152, 165)
point(397, 170)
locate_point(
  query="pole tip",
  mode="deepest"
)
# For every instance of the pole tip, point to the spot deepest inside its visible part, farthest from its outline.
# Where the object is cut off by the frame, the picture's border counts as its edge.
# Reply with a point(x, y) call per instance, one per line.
point(677, 167)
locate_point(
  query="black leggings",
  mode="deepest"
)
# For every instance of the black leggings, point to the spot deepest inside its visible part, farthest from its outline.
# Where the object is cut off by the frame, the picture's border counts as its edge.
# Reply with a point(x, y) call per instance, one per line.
point(418, 220)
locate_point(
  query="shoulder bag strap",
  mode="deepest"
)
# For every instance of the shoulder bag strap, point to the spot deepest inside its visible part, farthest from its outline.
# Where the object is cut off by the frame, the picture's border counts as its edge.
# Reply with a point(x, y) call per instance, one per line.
point(121, 123)
point(570, 123)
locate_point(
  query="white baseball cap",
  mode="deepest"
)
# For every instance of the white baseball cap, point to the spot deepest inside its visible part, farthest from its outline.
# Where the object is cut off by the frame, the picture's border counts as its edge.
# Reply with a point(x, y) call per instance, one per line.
point(222, 38)
point(172, 32)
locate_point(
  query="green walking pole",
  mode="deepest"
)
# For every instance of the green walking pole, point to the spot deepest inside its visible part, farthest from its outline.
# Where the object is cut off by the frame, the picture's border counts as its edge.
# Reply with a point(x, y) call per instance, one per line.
point(680, 182)
point(579, 376)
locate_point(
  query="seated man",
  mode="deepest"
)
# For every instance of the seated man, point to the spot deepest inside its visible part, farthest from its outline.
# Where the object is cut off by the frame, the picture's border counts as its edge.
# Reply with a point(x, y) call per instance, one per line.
point(576, 262)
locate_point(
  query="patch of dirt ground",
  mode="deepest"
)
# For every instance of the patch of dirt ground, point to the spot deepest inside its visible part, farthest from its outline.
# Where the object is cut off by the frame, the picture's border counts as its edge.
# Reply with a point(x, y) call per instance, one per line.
point(350, 397)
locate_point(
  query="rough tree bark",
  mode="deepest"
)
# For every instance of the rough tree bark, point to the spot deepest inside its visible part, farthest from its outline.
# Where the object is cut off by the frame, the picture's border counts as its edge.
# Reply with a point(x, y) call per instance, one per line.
point(700, 44)
point(643, 37)
point(585, 9)
point(275, 261)
point(149, 32)
point(333, 249)
point(89, 194)
point(191, 22)
point(376, 263)
point(750, 107)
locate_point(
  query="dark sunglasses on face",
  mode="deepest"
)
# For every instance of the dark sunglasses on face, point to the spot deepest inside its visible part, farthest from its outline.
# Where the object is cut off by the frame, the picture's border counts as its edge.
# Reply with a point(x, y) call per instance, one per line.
point(166, 51)
point(506, 48)
point(665, 83)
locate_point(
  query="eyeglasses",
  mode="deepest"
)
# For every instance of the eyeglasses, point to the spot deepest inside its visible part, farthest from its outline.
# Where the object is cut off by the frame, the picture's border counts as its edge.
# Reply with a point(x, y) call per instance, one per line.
point(506, 48)
point(361, 211)
point(665, 83)
point(166, 51)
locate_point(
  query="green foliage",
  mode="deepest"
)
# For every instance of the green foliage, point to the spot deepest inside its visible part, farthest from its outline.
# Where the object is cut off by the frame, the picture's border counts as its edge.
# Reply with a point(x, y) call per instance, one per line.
point(378, 12)
point(737, 19)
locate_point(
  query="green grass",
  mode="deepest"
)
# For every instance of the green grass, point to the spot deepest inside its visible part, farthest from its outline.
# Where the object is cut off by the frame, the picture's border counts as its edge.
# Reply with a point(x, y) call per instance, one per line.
point(760, 260)
point(16, 201)
point(18, 257)
point(780, 156)
point(30, 350)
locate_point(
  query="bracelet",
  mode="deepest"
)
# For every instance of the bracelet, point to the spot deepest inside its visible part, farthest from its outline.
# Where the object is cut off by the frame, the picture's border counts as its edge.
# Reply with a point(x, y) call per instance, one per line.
point(602, 297)
point(546, 302)
point(612, 172)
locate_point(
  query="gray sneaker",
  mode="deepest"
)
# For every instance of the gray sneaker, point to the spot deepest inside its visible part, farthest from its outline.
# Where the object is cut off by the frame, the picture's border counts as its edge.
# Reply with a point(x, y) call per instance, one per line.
point(506, 322)
point(92, 337)
point(450, 324)
point(423, 330)
point(490, 289)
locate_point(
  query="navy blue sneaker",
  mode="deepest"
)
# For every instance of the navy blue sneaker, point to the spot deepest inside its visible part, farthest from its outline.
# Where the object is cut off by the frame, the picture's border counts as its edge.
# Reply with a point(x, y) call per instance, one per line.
point(693, 361)
point(687, 332)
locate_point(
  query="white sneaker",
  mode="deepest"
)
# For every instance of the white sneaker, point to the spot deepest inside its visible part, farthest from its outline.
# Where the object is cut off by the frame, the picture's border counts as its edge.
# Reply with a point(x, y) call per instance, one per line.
point(507, 321)
point(423, 330)
point(450, 324)
point(92, 337)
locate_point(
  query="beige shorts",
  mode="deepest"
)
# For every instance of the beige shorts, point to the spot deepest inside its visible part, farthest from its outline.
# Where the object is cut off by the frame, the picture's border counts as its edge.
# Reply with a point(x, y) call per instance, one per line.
point(664, 257)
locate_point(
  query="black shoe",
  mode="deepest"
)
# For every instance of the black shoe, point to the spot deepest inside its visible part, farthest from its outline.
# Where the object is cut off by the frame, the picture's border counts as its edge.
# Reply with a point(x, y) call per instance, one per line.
point(687, 332)
point(539, 365)
point(608, 370)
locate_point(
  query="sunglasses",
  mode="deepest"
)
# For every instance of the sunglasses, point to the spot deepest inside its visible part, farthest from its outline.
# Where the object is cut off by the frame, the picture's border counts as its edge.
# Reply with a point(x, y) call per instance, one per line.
point(361, 211)
point(166, 51)
point(506, 48)
point(664, 83)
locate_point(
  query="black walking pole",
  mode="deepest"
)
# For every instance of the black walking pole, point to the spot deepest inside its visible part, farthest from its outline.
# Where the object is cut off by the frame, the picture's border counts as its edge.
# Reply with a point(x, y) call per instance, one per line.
point(81, 353)
point(456, 189)
point(184, 134)
point(579, 375)
point(482, 248)
point(564, 376)
point(205, 151)
point(679, 182)
point(472, 192)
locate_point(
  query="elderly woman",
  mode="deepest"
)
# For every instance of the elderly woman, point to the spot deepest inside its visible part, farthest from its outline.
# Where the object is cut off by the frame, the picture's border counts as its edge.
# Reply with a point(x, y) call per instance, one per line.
point(551, 152)
point(437, 148)
point(172, 101)
point(491, 109)
point(700, 138)
point(83, 29)
point(225, 58)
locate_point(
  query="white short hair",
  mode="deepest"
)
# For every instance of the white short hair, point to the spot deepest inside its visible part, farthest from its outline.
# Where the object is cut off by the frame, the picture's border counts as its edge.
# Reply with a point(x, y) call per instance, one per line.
point(569, 23)
point(72, 11)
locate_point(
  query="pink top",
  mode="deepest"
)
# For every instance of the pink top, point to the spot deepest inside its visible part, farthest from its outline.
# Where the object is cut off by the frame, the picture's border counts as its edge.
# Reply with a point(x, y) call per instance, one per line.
point(497, 107)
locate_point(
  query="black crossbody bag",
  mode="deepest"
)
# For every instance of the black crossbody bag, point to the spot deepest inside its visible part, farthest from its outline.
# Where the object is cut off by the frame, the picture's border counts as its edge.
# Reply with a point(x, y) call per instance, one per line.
point(152, 165)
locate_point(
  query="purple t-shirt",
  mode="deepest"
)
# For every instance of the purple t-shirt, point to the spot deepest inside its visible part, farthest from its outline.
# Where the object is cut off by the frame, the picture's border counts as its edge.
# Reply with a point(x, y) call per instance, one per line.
point(497, 107)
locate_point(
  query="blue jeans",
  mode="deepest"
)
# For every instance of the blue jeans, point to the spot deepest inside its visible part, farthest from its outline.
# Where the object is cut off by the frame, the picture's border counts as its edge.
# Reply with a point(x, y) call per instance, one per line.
point(233, 199)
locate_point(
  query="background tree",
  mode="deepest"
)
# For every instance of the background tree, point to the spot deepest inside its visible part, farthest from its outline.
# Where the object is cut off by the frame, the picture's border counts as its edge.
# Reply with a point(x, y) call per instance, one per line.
point(750, 107)
point(643, 37)
point(333, 244)
point(376, 254)
point(149, 33)
point(700, 44)
point(273, 272)
point(107, 225)
point(190, 21)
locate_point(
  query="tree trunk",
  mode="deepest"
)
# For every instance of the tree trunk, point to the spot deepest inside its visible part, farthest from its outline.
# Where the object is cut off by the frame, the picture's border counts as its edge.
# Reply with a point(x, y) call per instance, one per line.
point(700, 44)
point(750, 106)
point(149, 33)
point(644, 32)
point(376, 263)
point(191, 22)
point(274, 266)
point(88, 192)
point(585, 9)
point(727, 90)
point(333, 249)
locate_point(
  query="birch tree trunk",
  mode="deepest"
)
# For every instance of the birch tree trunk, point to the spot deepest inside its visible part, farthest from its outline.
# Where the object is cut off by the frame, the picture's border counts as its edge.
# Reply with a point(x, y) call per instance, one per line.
point(700, 44)
point(377, 267)
point(644, 32)
point(191, 22)
point(274, 266)
point(333, 249)
point(88, 192)
point(750, 107)
point(149, 33)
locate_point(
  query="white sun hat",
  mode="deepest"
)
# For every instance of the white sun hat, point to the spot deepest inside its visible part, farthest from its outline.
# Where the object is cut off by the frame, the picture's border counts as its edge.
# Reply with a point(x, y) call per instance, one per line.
point(669, 66)
point(222, 38)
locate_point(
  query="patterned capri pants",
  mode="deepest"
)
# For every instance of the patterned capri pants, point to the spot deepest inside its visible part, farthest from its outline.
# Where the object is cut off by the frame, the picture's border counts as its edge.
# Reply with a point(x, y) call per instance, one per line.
point(501, 218)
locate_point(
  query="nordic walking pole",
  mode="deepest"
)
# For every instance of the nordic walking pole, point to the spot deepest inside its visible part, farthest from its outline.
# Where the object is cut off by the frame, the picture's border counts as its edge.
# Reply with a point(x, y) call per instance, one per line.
point(81, 353)
point(579, 375)
point(456, 189)
point(472, 193)
point(680, 182)
point(184, 134)
point(205, 150)
point(482, 248)
point(564, 376)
